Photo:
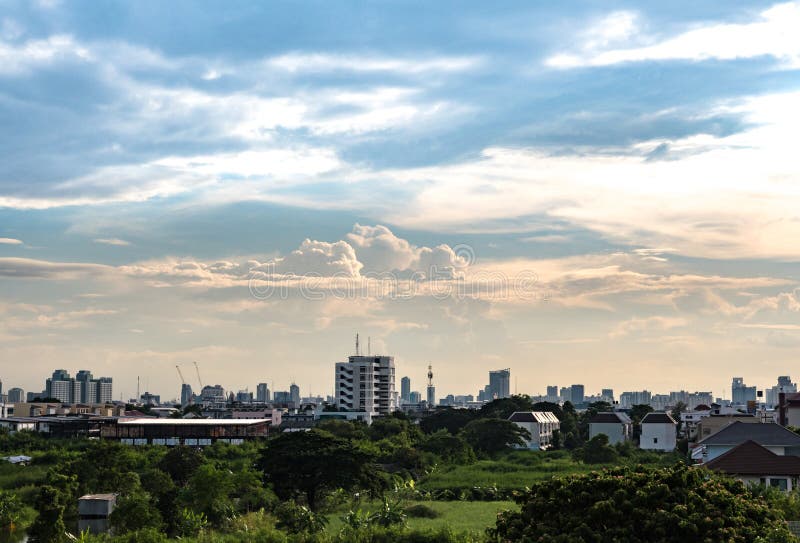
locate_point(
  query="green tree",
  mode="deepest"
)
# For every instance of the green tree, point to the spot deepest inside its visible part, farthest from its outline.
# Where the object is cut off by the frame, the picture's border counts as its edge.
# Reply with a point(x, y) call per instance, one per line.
point(452, 420)
point(180, 463)
point(311, 464)
point(491, 436)
point(208, 492)
point(597, 451)
point(134, 512)
point(49, 525)
point(10, 509)
point(667, 505)
point(553, 408)
point(502, 408)
point(344, 429)
point(450, 448)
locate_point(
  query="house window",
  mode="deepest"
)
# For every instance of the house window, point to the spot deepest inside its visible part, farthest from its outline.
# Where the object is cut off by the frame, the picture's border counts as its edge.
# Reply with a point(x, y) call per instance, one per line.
point(655, 440)
point(782, 484)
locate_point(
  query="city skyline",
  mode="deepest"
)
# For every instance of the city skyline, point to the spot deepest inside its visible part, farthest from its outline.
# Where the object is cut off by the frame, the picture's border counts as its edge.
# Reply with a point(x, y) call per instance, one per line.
point(587, 193)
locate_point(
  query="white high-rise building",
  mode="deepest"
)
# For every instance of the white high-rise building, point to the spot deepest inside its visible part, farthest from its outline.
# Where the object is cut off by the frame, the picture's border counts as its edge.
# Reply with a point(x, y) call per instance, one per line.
point(366, 383)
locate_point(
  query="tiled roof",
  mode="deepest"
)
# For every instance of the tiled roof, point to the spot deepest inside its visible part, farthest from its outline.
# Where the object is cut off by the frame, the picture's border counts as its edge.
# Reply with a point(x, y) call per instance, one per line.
point(750, 458)
point(765, 434)
point(610, 418)
point(658, 418)
point(533, 416)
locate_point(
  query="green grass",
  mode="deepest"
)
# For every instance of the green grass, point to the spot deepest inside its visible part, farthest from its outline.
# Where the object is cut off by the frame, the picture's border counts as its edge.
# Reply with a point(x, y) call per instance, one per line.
point(472, 517)
point(509, 473)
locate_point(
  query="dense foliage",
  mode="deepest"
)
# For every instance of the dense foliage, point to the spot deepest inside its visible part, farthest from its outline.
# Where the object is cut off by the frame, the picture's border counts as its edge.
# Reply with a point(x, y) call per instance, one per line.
point(632, 505)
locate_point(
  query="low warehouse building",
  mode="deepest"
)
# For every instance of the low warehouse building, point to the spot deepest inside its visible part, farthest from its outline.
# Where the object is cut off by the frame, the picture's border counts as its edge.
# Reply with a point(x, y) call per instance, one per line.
point(190, 432)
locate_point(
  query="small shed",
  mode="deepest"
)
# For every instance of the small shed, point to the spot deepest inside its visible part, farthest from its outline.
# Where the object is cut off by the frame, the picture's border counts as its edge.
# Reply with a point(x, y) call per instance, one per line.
point(94, 511)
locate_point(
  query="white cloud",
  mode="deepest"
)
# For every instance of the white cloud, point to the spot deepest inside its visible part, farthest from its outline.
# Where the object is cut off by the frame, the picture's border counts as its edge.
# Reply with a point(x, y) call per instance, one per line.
point(10, 241)
point(112, 241)
point(320, 62)
point(772, 33)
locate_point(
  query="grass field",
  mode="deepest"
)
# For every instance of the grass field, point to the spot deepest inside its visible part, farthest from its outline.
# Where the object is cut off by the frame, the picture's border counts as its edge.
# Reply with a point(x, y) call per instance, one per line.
point(472, 517)
point(515, 471)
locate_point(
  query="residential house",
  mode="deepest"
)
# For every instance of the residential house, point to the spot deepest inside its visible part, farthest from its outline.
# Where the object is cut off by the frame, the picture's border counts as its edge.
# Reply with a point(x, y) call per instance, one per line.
point(753, 464)
point(771, 436)
point(617, 426)
point(708, 426)
point(659, 432)
point(540, 424)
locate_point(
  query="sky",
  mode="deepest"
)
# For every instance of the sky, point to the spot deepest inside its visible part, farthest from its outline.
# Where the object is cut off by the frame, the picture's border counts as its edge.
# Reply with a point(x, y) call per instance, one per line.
point(604, 193)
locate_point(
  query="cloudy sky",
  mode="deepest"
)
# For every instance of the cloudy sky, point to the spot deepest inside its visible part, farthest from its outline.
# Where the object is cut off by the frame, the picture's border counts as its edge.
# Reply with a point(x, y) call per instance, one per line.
point(604, 193)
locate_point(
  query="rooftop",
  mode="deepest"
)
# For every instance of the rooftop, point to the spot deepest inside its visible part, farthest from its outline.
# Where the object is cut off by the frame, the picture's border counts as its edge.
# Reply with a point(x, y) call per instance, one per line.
point(610, 418)
point(100, 497)
point(750, 458)
point(766, 434)
point(533, 416)
point(658, 418)
point(191, 422)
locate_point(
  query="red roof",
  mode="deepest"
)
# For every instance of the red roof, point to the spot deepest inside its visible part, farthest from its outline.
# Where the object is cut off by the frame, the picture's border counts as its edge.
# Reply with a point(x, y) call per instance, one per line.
point(750, 458)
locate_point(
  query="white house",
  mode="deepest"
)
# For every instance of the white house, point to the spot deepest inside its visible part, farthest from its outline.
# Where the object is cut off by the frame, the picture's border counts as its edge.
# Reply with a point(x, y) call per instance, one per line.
point(659, 432)
point(540, 424)
point(617, 426)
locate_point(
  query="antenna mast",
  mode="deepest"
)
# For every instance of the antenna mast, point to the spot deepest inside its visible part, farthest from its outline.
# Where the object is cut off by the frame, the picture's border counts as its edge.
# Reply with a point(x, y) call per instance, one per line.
point(356, 344)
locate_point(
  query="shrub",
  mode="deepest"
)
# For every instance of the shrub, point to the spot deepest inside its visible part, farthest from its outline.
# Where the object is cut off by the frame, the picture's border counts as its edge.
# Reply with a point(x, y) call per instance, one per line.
point(298, 519)
point(421, 510)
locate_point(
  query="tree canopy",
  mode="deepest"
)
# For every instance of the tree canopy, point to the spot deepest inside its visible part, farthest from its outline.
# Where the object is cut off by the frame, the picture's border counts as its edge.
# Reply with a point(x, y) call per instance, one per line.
point(309, 464)
point(639, 505)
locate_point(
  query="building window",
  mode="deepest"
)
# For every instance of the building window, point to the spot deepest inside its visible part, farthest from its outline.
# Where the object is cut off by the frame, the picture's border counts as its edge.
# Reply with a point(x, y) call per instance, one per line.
point(781, 484)
point(655, 440)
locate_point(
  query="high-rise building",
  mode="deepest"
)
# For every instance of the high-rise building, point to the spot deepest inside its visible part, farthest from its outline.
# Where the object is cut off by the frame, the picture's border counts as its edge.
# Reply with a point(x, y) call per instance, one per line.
point(60, 386)
point(213, 396)
point(150, 399)
point(577, 394)
point(244, 396)
point(415, 397)
point(82, 389)
point(187, 397)
point(88, 387)
point(629, 399)
point(741, 393)
point(282, 397)
point(366, 383)
point(405, 389)
point(607, 394)
point(499, 384)
point(294, 393)
point(16, 395)
point(105, 392)
point(262, 393)
point(431, 397)
point(552, 393)
point(784, 385)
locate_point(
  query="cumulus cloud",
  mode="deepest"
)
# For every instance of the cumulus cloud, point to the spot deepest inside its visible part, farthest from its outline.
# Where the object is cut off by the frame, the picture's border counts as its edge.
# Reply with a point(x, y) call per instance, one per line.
point(10, 241)
point(772, 33)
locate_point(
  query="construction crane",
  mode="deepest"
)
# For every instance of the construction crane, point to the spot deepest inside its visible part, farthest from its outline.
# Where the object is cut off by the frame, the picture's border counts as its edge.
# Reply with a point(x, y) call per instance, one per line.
point(177, 367)
point(199, 380)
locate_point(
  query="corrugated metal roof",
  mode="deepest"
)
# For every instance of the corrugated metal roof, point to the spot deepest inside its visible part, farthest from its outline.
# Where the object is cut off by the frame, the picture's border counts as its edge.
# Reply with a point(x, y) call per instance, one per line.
point(192, 422)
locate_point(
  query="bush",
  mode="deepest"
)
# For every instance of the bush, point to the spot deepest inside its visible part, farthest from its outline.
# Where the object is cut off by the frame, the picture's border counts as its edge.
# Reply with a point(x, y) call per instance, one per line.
point(663, 505)
point(421, 511)
point(298, 519)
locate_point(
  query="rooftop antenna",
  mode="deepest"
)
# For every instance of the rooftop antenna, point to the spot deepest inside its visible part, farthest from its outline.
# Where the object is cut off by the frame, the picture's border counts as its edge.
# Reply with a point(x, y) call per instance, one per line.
point(430, 375)
point(356, 344)
point(137, 389)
